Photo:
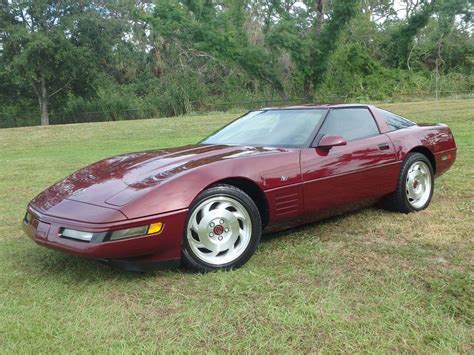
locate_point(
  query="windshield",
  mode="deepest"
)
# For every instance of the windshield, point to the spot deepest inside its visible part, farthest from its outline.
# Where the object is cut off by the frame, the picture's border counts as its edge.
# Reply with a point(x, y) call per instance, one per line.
point(276, 128)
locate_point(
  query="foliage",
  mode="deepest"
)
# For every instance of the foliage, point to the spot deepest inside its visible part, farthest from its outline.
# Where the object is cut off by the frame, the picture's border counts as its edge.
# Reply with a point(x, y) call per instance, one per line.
point(342, 13)
point(55, 47)
point(400, 42)
point(353, 73)
point(170, 57)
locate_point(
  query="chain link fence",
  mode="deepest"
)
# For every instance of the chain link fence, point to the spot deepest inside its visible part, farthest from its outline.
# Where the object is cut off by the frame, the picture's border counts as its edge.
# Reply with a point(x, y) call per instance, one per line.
point(32, 118)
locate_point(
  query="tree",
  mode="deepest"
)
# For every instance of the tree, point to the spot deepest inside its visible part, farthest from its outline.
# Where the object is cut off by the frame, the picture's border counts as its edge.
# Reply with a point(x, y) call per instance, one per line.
point(399, 44)
point(326, 42)
point(55, 47)
point(217, 30)
point(167, 56)
point(308, 36)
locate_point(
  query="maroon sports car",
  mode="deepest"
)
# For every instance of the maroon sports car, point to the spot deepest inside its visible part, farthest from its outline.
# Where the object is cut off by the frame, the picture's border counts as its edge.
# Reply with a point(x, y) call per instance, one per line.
point(274, 168)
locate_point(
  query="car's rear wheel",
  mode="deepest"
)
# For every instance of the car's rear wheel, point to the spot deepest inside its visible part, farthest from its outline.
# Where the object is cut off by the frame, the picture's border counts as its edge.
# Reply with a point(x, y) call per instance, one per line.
point(223, 229)
point(415, 185)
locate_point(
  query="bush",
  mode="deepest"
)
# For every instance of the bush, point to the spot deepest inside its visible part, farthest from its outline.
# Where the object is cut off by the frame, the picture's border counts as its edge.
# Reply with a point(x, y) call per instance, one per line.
point(354, 74)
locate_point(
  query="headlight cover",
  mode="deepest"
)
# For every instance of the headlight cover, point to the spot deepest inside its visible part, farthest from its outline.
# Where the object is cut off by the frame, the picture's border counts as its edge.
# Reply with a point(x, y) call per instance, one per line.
point(79, 235)
point(153, 228)
point(128, 233)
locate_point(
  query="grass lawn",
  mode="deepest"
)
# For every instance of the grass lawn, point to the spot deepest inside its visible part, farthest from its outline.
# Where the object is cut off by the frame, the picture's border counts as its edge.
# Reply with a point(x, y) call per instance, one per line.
point(367, 281)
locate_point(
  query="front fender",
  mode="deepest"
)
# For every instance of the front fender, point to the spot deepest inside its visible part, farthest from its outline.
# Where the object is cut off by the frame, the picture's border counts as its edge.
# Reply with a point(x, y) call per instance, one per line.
point(268, 171)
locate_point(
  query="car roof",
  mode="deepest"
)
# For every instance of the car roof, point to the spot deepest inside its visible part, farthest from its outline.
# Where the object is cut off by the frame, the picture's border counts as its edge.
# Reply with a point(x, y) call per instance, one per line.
point(313, 106)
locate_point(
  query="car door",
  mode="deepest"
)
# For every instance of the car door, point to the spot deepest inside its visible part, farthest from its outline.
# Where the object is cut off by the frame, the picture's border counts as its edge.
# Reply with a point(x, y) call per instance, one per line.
point(346, 177)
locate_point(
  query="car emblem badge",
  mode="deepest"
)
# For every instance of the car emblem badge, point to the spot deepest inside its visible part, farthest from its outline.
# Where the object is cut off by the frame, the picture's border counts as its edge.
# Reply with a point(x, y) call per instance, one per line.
point(284, 178)
point(218, 230)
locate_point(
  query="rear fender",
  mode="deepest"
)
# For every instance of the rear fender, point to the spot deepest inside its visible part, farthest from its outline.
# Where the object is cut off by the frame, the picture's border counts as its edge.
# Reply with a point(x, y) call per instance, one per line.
point(436, 138)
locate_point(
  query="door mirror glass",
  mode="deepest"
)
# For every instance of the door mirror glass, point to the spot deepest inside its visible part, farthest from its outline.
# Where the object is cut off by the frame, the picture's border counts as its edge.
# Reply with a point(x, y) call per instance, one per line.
point(330, 140)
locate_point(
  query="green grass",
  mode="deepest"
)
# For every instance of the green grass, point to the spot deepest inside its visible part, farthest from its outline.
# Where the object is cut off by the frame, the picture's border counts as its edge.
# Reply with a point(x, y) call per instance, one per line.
point(367, 281)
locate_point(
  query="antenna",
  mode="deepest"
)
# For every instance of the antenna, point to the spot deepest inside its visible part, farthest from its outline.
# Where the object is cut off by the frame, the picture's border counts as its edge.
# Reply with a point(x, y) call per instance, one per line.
point(438, 62)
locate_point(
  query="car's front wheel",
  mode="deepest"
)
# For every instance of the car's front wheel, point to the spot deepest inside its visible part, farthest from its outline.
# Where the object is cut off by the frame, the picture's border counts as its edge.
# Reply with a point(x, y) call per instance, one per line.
point(223, 229)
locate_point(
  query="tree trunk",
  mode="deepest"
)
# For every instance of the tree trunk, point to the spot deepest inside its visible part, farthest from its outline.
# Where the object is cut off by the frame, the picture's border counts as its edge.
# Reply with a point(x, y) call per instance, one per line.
point(307, 87)
point(318, 27)
point(42, 94)
point(283, 94)
point(320, 16)
point(44, 104)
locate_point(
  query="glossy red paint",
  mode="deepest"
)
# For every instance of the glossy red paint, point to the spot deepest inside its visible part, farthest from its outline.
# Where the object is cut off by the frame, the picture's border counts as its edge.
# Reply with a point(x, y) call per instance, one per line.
point(329, 141)
point(299, 185)
point(437, 139)
point(161, 243)
point(348, 176)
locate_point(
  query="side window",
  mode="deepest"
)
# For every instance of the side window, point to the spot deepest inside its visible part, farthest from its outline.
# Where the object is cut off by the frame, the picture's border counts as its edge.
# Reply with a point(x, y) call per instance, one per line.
point(394, 121)
point(350, 123)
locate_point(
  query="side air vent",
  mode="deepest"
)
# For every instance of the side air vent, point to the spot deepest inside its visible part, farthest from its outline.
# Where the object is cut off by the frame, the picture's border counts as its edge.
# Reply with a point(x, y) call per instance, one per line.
point(287, 204)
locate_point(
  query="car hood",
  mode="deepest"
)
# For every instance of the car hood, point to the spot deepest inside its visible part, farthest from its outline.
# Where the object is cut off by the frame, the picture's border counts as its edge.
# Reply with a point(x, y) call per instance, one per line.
point(115, 181)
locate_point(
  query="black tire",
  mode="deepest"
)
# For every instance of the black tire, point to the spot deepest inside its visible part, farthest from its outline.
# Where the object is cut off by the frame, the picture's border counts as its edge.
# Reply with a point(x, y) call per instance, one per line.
point(399, 201)
point(192, 258)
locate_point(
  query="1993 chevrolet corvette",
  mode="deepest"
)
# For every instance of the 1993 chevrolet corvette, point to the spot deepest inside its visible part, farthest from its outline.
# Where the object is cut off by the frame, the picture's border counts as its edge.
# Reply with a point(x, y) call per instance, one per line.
point(207, 204)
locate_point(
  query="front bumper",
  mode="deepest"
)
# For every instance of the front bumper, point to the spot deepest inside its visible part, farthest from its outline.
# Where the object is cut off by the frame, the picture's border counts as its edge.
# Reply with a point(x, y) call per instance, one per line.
point(163, 246)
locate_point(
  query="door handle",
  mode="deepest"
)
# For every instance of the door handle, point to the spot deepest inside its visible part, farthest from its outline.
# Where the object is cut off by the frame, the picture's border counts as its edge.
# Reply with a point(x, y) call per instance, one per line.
point(384, 146)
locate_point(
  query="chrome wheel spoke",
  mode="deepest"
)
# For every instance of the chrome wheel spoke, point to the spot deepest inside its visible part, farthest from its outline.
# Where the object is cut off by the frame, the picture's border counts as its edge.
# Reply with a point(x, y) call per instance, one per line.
point(225, 205)
point(207, 207)
point(229, 248)
point(410, 192)
point(224, 246)
point(201, 243)
point(239, 215)
point(198, 244)
point(195, 225)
